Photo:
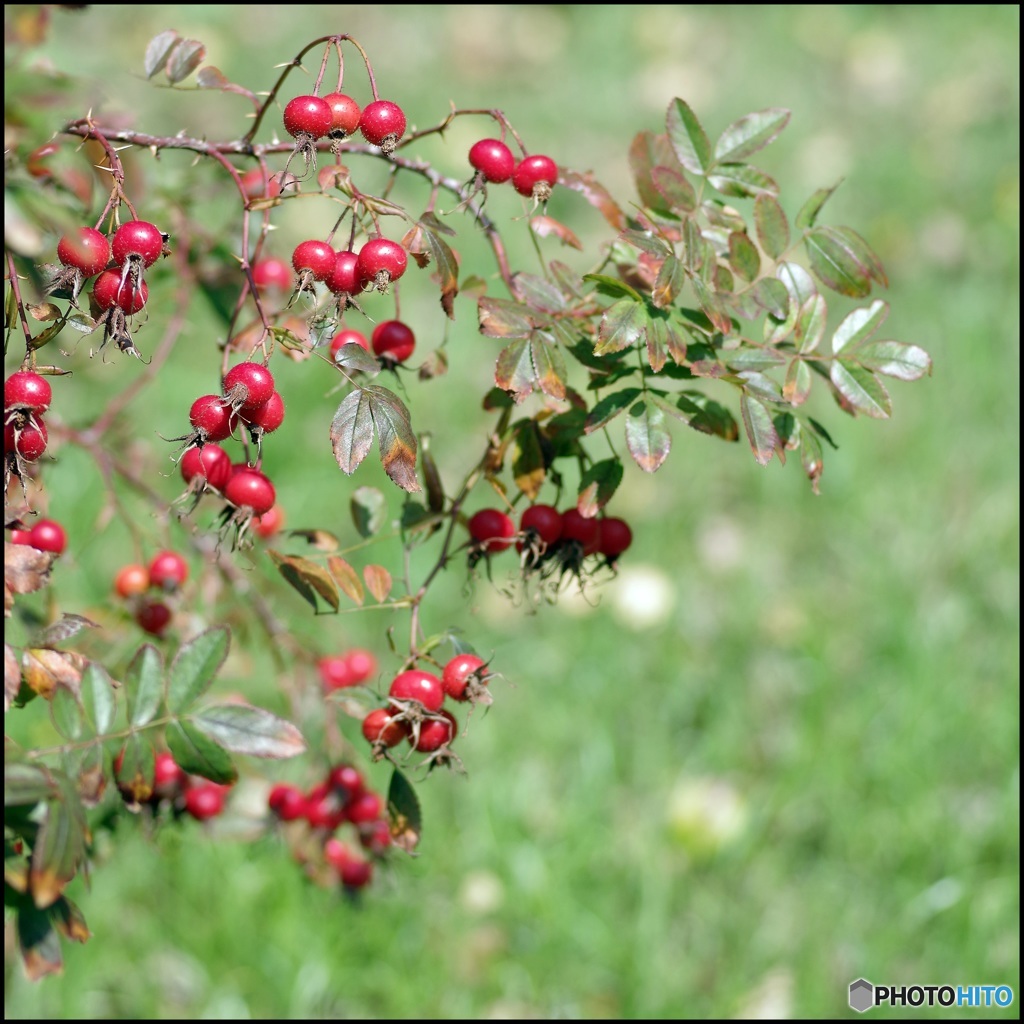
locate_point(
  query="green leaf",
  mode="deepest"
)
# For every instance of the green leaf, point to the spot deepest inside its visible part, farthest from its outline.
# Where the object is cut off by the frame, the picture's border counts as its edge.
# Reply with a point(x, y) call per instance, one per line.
point(808, 215)
point(701, 413)
point(354, 357)
point(771, 294)
point(798, 382)
point(40, 946)
point(609, 407)
point(352, 431)
point(57, 852)
point(395, 437)
point(646, 241)
point(243, 729)
point(144, 685)
point(598, 484)
point(811, 457)
point(859, 325)
point(612, 287)
point(861, 389)
point(404, 812)
point(669, 282)
point(307, 578)
point(895, 359)
point(198, 754)
point(647, 438)
point(67, 714)
point(750, 133)
point(622, 325)
point(194, 668)
point(688, 139)
point(369, 510)
point(548, 365)
point(26, 784)
point(760, 385)
point(761, 433)
point(753, 359)
point(836, 264)
point(446, 270)
point(514, 370)
point(743, 256)
point(810, 324)
point(772, 226)
point(673, 188)
point(528, 466)
point(500, 318)
point(742, 180)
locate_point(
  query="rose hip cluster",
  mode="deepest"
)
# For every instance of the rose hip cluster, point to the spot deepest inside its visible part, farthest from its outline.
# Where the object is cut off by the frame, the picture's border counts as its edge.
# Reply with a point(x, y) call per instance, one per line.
point(378, 262)
point(533, 176)
point(27, 396)
point(186, 794)
point(149, 589)
point(337, 116)
point(341, 799)
point(549, 540)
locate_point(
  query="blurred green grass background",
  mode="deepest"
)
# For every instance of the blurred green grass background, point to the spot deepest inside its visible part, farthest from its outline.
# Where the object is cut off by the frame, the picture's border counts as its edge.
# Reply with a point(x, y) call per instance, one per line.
point(831, 682)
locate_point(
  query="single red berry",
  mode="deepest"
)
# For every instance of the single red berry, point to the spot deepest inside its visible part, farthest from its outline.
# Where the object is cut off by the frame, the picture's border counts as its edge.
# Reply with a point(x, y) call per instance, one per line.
point(535, 176)
point(382, 124)
point(153, 616)
point(459, 671)
point(583, 531)
point(85, 249)
point(614, 536)
point(393, 341)
point(169, 778)
point(345, 114)
point(247, 386)
point(335, 673)
point(210, 463)
point(346, 781)
point(420, 686)
point(316, 257)
point(362, 664)
point(287, 802)
point(356, 873)
point(48, 535)
point(307, 115)
point(249, 488)
point(272, 273)
point(382, 261)
point(17, 536)
point(267, 417)
point(139, 240)
point(348, 337)
point(269, 523)
point(345, 278)
point(213, 419)
point(324, 809)
point(29, 441)
point(364, 808)
point(28, 391)
point(493, 159)
point(379, 726)
point(544, 520)
point(436, 733)
point(492, 530)
point(109, 291)
point(167, 571)
point(131, 580)
point(205, 801)
point(376, 837)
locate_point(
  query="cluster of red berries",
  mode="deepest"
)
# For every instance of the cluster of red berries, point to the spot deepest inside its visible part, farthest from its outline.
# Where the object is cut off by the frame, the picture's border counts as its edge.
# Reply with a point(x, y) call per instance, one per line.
point(547, 537)
point(45, 535)
point(352, 668)
point(378, 262)
point(187, 794)
point(337, 116)
point(392, 342)
point(27, 396)
point(415, 710)
point(343, 798)
point(533, 176)
point(120, 292)
point(146, 587)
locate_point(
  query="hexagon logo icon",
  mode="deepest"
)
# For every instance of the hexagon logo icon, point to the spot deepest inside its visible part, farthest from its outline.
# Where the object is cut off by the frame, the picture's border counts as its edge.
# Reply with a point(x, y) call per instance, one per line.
point(862, 995)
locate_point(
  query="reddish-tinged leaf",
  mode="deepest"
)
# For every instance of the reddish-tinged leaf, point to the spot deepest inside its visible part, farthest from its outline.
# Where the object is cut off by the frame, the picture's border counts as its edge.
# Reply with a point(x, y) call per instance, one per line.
point(772, 226)
point(346, 578)
point(837, 263)
point(798, 382)
point(656, 340)
point(711, 306)
point(863, 253)
point(669, 283)
point(69, 920)
point(45, 669)
point(646, 152)
point(446, 271)
point(378, 581)
point(809, 328)
point(596, 194)
point(356, 358)
point(184, 59)
point(12, 676)
point(808, 215)
point(811, 458)
point(500, 318)
point(514, 370)
point(895, 359)
point(750, 133)
point(211, 78)
point(243, 729)
point(742, 359)
point(352, 431)
point(26, 569)
point(689, 140)
point(431, 476)
point(743, 256)
point(158, 50)
point(771, 295)
point(545, 227)
point(647, 438)
point(761, 433)
point(742, 180)
point(539, 294)
point(548, 365)
point(861, 389)
point(760, 385)
point(394, 436)
point(622, 325)
point(322, 540)
point(306, 577)
point(63, 629)
point(673, 188)
point(859, 325)
point(597, 486)
point(40, 946)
